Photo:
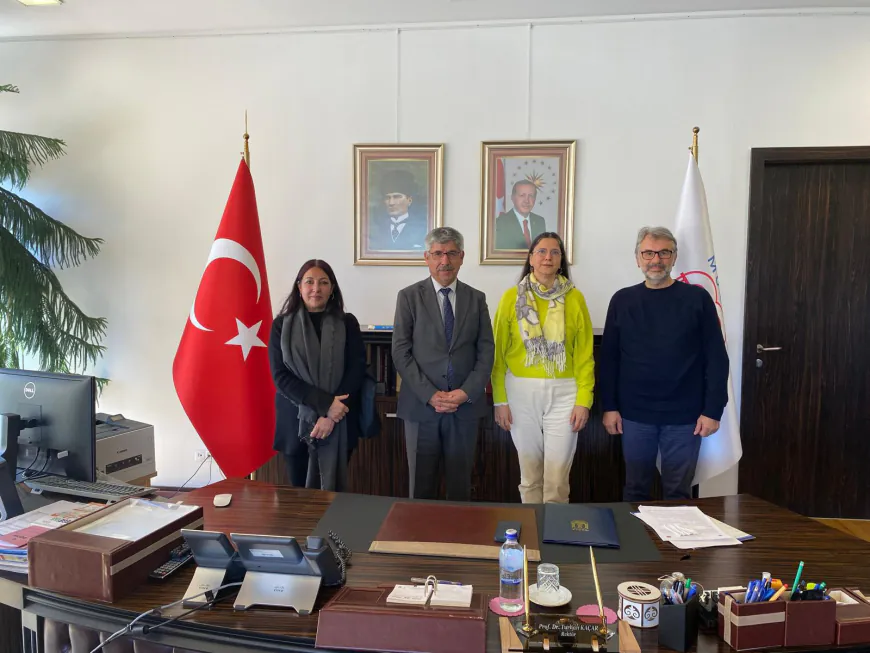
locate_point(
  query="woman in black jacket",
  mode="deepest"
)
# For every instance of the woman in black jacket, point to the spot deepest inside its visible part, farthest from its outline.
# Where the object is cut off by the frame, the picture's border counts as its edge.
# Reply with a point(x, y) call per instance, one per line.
point(318, 363)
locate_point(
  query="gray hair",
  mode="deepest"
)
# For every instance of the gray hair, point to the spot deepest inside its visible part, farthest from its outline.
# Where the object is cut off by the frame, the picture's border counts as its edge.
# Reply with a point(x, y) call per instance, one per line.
point(658, 233)
point(443, 235)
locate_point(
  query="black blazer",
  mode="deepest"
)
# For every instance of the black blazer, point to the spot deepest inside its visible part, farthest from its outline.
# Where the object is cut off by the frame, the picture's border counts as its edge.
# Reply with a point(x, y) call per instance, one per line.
point(292, 391)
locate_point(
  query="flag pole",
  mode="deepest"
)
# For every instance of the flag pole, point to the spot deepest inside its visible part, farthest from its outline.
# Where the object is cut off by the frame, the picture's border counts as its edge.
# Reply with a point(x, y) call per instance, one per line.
point(694, 147)
point(247, 153)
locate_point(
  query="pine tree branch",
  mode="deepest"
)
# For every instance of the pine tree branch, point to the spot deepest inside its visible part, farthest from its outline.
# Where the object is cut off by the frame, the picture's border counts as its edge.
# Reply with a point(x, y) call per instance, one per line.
point(52, 242)
point(8, 88)
point(19, 152)
point(41, 317)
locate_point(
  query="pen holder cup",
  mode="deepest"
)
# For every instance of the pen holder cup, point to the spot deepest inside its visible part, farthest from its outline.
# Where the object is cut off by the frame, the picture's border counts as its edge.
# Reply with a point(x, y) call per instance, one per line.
point(678, 624)
point(746, 626)
point(810, 623)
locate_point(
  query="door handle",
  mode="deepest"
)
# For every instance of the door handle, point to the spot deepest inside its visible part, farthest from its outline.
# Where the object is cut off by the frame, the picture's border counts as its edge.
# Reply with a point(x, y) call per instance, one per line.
point(761, 348)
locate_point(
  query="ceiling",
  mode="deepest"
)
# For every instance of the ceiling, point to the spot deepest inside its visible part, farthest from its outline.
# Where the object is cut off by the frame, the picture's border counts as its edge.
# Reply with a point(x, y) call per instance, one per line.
point(147, 17)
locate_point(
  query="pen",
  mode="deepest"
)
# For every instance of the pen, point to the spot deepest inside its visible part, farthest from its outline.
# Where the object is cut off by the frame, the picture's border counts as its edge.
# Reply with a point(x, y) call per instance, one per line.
point(440, 582)
point(798, 576)
point(778, 594)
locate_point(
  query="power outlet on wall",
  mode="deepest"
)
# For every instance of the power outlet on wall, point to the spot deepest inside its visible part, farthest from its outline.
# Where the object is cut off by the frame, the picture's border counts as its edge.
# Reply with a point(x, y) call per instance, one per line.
point(199, 455)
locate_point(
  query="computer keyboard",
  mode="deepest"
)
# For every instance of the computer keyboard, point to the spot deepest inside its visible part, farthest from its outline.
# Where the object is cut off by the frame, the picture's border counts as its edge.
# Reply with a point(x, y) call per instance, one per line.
point(96, 490)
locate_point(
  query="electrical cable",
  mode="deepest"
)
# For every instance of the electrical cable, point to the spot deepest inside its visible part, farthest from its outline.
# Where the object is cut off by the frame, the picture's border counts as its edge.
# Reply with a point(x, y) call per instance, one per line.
point(156, 611)
point(28, 468)
point(207, 458)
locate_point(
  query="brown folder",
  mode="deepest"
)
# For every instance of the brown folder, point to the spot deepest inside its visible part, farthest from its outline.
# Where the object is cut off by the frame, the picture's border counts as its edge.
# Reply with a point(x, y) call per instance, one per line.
point(359, 618)
point(452, 531)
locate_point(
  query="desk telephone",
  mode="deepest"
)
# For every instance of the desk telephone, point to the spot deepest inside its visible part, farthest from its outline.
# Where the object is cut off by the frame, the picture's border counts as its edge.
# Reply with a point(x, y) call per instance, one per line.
point(318, 556)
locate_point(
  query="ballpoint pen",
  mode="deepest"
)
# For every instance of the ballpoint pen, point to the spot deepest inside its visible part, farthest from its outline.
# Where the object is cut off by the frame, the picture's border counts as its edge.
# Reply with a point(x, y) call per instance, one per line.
point(440, 582)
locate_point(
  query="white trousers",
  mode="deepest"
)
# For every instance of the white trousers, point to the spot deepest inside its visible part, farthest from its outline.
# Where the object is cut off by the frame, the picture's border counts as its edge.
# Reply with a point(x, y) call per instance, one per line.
point(541, 431)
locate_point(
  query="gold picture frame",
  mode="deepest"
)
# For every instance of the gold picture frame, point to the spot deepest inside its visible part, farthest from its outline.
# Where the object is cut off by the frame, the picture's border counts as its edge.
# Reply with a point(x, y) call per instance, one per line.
point(398, 199)
point(545, 169)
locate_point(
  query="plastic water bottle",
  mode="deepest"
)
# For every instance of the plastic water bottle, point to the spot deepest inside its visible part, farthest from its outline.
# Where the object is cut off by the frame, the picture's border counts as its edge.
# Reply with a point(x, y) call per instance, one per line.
point(510, 566)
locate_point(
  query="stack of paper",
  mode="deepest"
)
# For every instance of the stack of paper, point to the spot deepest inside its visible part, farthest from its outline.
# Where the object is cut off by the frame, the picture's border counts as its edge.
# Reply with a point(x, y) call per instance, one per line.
point(452, 596)
point(15, 533)
point(686, 527)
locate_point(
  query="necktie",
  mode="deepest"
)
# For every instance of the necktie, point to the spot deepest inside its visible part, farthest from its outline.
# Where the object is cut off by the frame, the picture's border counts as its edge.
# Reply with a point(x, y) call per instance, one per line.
point(448, 332)
point(527, 233)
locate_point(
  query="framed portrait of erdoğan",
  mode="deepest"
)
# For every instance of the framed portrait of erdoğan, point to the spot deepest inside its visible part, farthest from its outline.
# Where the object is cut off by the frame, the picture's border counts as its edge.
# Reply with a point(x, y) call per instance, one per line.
point(527, 188)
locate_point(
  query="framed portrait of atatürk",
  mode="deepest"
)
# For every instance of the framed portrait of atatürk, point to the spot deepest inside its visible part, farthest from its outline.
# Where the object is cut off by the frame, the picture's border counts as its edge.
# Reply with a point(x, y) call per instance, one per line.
point(398, 199)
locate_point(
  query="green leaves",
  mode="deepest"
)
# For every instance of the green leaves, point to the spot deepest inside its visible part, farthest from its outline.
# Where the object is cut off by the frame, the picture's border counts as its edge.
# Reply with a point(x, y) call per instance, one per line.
point(52, 242)
point(18, 152)
point(37, 317)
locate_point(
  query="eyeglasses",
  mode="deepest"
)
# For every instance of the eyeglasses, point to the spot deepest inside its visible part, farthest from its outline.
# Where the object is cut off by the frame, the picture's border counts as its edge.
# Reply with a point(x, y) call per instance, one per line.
point(451, 254)
point(552, 252)
point(650, 254)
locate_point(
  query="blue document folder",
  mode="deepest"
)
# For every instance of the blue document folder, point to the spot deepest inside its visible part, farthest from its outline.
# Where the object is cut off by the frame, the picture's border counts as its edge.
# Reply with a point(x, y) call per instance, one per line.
point(580, 524)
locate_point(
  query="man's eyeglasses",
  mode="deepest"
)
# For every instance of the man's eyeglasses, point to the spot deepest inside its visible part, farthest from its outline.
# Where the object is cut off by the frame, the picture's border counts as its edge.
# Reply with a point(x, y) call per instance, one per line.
point(650, 254)
point(552, 252)
point(451, 254)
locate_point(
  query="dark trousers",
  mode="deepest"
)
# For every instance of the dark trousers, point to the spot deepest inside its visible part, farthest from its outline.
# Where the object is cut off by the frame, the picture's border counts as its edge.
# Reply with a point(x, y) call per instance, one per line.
point(640, 447)
point(453, 441)
point(296, 462)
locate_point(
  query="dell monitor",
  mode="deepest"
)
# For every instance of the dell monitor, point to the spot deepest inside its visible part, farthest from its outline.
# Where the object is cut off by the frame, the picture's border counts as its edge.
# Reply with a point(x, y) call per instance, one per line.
point(57, 419)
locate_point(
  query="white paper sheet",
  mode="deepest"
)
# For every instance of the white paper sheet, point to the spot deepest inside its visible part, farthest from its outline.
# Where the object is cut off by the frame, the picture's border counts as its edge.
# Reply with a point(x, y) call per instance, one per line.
point(136, 520)
point(686, 527)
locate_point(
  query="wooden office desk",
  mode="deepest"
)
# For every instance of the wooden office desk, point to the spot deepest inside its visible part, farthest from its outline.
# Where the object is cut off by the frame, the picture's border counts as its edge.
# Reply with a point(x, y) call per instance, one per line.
point(783, 538)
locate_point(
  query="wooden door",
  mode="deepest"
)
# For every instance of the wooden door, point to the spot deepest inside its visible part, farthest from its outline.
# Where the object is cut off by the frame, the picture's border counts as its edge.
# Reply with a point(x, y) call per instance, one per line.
point(805, 411)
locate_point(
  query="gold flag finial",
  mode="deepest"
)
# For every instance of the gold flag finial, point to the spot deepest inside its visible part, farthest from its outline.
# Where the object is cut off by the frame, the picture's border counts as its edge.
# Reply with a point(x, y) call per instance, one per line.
point(694, 147)
point(247, 152)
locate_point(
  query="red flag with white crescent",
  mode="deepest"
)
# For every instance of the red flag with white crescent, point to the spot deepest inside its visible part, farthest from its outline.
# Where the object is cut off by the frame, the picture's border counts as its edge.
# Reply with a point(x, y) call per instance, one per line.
point(221, 369)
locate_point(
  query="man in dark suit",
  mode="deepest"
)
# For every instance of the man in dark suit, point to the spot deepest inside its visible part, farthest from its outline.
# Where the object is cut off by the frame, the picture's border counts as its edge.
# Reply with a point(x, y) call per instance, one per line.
point(517, 228)
point(403, 226)
point(443, 349)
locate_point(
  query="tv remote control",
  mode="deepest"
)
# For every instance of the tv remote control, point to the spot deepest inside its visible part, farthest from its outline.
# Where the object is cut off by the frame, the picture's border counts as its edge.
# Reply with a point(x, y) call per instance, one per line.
point(178, 557)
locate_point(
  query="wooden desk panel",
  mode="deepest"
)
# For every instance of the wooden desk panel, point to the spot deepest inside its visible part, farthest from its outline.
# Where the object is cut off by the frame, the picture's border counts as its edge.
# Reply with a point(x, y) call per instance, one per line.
point(783, 538)
point(380, 466)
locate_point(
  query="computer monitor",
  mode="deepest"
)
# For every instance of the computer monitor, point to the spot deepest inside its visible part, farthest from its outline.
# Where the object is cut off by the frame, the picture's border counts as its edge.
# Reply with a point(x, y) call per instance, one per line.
point(57, 412)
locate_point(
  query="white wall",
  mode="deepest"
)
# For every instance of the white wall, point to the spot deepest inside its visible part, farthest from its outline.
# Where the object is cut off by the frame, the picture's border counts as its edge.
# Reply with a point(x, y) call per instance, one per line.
point(153, 130)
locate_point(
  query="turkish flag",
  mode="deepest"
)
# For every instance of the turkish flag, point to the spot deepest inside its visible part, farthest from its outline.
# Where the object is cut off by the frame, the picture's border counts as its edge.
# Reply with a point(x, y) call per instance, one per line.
point(221, 369)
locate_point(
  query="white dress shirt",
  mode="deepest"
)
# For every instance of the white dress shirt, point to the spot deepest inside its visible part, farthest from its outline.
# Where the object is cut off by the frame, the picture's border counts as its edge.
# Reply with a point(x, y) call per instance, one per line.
point(451, 294)
point(399, 224)
point(521, 218)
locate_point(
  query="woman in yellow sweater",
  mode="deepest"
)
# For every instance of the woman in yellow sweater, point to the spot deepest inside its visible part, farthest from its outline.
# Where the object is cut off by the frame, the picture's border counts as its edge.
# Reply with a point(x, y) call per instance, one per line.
point(543, 374)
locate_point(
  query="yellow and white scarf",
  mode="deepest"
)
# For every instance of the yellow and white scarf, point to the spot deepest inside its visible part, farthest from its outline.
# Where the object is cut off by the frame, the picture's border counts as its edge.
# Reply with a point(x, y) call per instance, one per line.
point(545, 345)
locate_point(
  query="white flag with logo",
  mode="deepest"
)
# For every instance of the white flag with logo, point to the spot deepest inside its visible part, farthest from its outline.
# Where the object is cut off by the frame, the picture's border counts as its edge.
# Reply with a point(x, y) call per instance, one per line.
point(696, 264)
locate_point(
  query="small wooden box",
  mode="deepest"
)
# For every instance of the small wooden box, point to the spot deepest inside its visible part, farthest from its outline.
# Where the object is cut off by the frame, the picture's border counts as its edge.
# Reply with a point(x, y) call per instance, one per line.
point(359, 618)
point(810, 623)
point(853, 617)
point(97, 567)
point(747, 626)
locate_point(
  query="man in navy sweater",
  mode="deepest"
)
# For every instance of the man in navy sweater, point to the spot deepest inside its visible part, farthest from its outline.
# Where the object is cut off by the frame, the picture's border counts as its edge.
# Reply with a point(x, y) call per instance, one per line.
point(663, 373)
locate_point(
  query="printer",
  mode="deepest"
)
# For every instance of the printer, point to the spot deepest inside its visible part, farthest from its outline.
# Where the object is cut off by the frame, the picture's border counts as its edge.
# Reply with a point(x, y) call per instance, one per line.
point(124, 448)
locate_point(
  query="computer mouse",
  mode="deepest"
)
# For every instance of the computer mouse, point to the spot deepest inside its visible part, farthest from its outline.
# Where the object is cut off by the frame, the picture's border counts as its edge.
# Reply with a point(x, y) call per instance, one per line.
point(222, 500)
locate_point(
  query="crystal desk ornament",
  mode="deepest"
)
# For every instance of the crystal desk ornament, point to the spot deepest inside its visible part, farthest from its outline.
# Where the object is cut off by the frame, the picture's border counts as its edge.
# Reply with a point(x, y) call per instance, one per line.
point(556, 632)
